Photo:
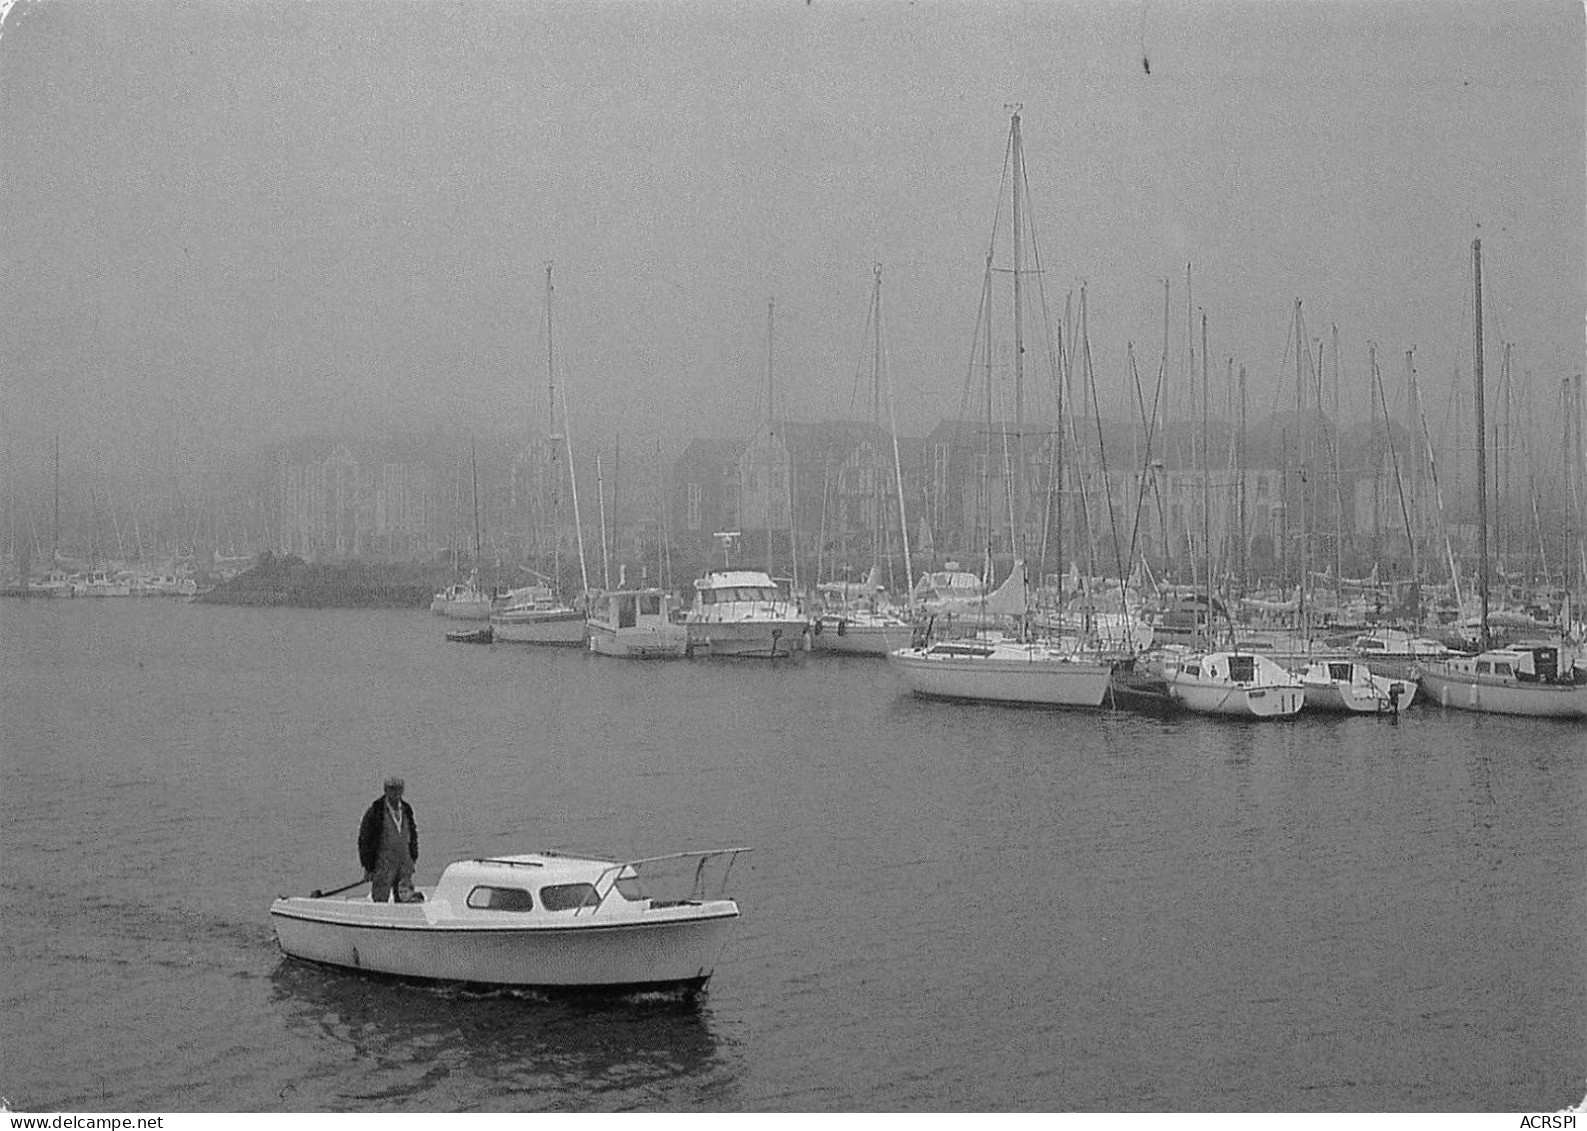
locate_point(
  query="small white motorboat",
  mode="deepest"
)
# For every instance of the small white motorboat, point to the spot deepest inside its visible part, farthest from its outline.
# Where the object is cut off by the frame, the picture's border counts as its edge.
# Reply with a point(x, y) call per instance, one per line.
point(1342, 686)
point(535, 921)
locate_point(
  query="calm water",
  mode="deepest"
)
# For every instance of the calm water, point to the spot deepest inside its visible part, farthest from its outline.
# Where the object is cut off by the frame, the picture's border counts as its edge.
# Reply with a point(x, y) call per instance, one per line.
point(948, 907)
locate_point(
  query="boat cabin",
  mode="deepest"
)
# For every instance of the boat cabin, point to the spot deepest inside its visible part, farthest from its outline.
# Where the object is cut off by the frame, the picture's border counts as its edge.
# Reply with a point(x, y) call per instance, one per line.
point(1524, 663)
point(629, 608)
point(549, 885)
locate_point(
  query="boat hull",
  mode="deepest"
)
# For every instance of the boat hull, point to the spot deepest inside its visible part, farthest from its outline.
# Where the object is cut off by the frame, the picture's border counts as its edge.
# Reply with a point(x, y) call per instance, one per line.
point(1238, 702)
point(770, 639)
point(655, 642)
point(405, 943)
point(855, 637)
point(1503, 697)
point(564, 629)
point(1354, 690)
point(1034, 680)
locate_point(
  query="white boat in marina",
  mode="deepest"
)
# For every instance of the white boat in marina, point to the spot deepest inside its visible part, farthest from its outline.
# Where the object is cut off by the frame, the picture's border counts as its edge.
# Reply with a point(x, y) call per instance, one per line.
point(1394, 653)
point(636, 624)
point(103, 583)
point(860, 632)
point(463, 601)
point(996, 670)
point(467, 600)
point(1536, 677)
point(537, 920)
point(533, 615)
point(858, 620)
point(1532, 678)
point(741, 612)
point(1239, 684)
point(1345, 686)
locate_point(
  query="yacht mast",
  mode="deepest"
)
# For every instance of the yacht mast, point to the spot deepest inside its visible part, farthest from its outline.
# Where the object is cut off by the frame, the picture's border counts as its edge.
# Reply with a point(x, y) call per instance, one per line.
point(1482, 454)
point(555, 438)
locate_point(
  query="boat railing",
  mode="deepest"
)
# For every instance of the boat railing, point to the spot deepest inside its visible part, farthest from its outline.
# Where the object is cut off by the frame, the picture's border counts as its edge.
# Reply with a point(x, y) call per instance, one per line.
point(629, 869)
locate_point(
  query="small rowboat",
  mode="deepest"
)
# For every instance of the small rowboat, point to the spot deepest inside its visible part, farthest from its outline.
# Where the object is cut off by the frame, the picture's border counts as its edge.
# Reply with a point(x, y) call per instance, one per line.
point(472, 635)
point(535, 921)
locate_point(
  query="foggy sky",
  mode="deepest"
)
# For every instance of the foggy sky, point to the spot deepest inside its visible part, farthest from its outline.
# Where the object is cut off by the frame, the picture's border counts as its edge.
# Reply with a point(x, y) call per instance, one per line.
point(234, 222)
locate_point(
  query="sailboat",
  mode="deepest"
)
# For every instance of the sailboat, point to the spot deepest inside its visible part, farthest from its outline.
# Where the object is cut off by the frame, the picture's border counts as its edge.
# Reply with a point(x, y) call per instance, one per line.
point(991, 666)
point(1539, 678)
point(467, 600)
point(860, 620)
point(536, 614)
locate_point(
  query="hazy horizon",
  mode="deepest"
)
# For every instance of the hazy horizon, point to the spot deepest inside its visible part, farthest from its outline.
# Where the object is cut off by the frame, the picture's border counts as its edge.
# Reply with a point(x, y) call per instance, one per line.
point(232, 224)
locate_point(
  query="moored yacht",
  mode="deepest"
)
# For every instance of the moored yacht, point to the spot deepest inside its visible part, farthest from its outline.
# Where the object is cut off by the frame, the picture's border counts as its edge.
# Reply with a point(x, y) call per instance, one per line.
point(464, 600)
point(1532, 678)
point(533, 615)
point(1239, 684)
point(998, 670)
point(741, 612)
point(636, 624)
point(1343, 686)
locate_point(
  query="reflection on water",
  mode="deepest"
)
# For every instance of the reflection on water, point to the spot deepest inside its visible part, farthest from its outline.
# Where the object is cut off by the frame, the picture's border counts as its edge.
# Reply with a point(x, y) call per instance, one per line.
point(500, 1049)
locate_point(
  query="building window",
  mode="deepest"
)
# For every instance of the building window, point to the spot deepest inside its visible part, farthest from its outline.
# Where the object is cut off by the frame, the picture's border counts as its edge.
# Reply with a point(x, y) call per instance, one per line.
point(692, 505)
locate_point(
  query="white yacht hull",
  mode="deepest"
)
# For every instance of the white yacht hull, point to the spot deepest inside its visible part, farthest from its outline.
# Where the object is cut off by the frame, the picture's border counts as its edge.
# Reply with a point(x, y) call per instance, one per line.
point(1030, 675)
point(1235, 685)
point(1238, 702)
point(762, 638)
point(640, 642)
point(1498, 696)
point(408, 940)
point(858, 636)
point(1361, 692)
point(563, 628)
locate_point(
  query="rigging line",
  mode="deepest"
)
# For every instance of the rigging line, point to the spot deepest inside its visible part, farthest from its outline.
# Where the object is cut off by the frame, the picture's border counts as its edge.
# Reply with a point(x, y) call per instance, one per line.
point(1140, 497)
point(1102, 458)
point(1278, 385)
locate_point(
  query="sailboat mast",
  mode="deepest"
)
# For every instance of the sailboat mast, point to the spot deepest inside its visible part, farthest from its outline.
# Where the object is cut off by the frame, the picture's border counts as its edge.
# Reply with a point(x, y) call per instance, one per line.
point(1019, 338)
point(1482, 452)
point(771, 420)
point(55, 535)
point(573, 486)
point(600, 496)
point(473, 467)
point(898, 466)
point(555, 439)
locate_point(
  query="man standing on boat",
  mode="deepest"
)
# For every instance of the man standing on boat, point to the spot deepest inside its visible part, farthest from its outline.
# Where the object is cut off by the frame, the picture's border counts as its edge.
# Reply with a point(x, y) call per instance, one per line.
point(388, 846)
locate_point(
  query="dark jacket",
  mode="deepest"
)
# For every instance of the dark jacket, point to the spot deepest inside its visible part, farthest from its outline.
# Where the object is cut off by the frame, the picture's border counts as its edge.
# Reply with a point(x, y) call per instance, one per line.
point(373, 827)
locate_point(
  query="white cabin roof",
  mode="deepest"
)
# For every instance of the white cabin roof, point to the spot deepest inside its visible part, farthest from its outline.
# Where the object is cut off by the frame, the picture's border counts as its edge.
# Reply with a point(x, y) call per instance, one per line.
point(733, 578)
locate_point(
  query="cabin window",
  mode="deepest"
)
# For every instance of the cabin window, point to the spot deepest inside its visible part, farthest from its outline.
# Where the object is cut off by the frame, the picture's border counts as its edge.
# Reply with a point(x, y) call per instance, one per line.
point(1242, 669)
point(1338, 671)
point(485, 898)
point(1484, 667)
point(1502, 669)
point(567, 897)
point(625, 613)
point(1372, 645)
point(650, 604)
point(708, 596)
